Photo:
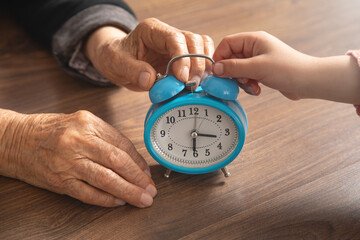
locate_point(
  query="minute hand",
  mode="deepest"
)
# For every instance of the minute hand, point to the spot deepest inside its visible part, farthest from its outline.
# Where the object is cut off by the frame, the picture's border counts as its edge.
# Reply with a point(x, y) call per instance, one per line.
point(206, 135)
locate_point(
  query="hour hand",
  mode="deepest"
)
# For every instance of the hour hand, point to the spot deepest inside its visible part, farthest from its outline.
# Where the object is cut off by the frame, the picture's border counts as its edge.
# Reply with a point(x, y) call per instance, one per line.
point(194, 144)
point(206, 135)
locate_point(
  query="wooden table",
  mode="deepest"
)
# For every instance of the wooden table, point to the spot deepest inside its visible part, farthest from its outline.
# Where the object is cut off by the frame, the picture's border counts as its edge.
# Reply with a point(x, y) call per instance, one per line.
point(298, 176)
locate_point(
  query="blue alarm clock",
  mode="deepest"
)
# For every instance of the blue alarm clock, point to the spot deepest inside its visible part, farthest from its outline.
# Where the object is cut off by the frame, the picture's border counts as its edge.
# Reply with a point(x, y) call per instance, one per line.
point(195, 132)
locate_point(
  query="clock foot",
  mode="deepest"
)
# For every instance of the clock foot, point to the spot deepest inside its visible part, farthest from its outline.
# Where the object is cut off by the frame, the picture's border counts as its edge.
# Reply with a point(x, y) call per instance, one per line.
point(226, 172)
point(167, 173)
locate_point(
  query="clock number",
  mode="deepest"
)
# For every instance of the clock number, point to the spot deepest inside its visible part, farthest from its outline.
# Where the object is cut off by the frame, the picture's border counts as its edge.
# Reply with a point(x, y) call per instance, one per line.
point(207, 152)
point(195, 153)
point(162, 133)
point(227, 132)
point(218, 118)
point(206, 113)
point(181, 113)
point(170, 119)
point(196, 111)
point(170, 147)
point(219, 146)
point(184, 151)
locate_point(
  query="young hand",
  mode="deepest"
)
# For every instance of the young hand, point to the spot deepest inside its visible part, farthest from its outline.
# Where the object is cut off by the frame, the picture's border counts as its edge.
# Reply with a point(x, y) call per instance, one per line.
point(254, 57)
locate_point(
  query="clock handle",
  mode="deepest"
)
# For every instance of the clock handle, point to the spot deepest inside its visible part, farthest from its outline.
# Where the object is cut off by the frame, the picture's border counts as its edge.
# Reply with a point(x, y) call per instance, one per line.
point(160, 76)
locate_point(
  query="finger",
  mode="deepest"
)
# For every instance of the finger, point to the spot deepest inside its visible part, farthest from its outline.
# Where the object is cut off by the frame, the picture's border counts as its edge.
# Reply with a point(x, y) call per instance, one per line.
point(102, 130)
point(88, 194)
point(195, 45)
point(176, 46)
point(238, 68)
point(235, 44)
point(209, 51)
point(138, 74)
point(111, 135)
point(110, 182)
point(250, 86)
point(168, 40)
point(120, 162)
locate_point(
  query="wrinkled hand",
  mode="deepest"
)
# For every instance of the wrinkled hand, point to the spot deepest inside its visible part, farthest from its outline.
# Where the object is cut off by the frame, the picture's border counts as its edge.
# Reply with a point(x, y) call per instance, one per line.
point(255, 57)
point(79, 155)
point(133, 60)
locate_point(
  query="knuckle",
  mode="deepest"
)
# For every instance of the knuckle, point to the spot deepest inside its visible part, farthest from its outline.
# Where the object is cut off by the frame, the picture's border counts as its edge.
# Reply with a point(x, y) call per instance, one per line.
point(107, 177)
point(226, 39)
point(149, 21)
point(105, 201)
point(207, 39)
point(109, 48)
point(126, 191)
point(195, 40)
point(197, 37)
point(68, 187)
point(125, 144)
point(148, 24)
point(83, 116)
point(140, 177)
point(97, 198)
point(177, 36)
point(262, 33)
point(124, 161)
point(55, 182)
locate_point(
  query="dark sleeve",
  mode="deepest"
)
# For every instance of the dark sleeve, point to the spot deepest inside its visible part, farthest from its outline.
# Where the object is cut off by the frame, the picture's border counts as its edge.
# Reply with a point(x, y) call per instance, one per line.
point(43, 18)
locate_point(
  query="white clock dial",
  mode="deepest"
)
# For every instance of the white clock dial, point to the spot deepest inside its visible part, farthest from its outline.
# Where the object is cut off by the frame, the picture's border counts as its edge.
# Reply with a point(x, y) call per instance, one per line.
point(194, 136)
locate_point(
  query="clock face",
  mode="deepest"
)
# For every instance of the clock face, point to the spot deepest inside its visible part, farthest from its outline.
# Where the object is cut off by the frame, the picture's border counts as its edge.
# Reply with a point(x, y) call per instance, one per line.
point(194, 136)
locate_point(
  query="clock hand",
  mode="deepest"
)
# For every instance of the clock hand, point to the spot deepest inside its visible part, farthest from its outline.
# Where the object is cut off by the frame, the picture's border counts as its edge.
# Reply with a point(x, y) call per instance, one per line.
point(195, 122)
point(206, 135)
point(194, 135)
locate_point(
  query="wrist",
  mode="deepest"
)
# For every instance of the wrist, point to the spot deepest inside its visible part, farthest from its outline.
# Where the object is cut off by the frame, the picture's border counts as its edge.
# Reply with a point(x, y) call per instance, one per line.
point(12, 137)
point(99, 38)
point(333, 78)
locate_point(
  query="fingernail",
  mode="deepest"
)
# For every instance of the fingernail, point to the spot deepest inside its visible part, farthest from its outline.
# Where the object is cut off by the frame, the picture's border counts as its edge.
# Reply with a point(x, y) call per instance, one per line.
point(248, 90)
point(196, 79)
point(219, 68)
point(144, 80)
point(146, 199)
point(185, 74)
point(147, 172)
point(119, 202)
point(252, 91)
point(151, 189)
point(257, 91)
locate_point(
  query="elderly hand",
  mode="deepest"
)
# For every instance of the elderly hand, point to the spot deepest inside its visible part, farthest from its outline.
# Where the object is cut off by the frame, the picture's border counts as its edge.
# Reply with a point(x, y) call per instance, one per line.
point(76, 154)
point(133, 60)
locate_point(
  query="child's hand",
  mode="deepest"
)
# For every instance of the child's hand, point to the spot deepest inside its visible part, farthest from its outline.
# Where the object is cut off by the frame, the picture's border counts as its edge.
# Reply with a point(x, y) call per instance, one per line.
point(260, 57)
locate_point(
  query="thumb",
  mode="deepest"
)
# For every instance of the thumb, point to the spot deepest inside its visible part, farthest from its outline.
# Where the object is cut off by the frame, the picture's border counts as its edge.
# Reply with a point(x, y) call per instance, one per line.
point(237, 68)
point(134, 74)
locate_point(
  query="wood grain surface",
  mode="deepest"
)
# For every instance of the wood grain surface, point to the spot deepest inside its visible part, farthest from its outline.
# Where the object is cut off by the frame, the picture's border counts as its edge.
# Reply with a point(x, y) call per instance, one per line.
point(298, 176)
